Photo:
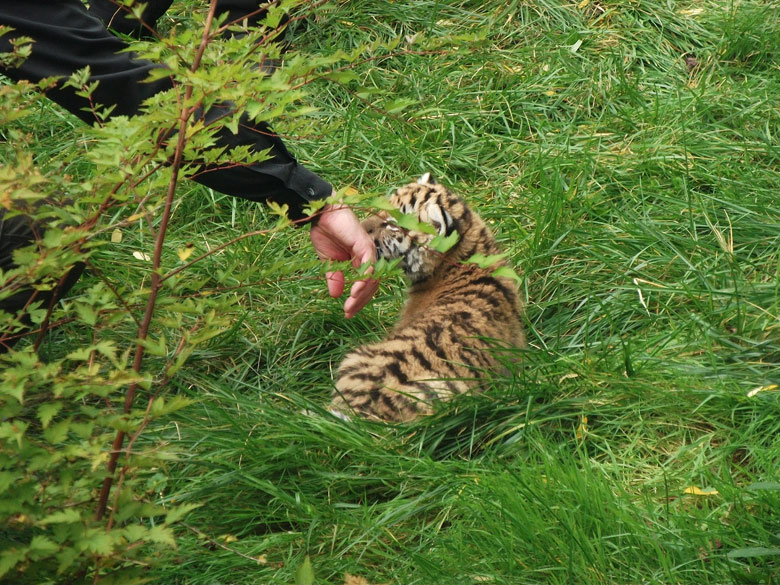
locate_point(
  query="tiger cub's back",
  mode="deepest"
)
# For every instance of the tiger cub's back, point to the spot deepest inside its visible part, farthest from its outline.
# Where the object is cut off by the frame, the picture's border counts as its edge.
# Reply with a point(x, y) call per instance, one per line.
point(454, 315)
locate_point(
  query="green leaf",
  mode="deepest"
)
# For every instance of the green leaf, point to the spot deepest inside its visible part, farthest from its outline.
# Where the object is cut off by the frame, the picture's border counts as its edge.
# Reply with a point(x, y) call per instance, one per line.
point(81, 355)
point(13, 430)
point(162, 406)
point(7, 479)
point(98, 541)
point(273, 17)
point(444, 243)
point(87, 313)
point(42, 544)
point(412, 223)
point(135, 533)
point(764, 485)
point(485, 261)
point(9, 559)
point(57, 432)
point(157, 348)
point(281, 211)
point(381, 203)
point(47, 411)
point(16, 390)
point(66, 559)
point(178, 512)
point(753, 552)
point(343, 77)
point(161, 535)
point(398, 105)
point(67, 516)
point(507, 272)
point(105, 347)
point(304, 575)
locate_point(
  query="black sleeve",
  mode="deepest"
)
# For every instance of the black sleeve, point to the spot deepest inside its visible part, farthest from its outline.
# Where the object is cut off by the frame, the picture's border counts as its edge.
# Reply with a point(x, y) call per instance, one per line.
point(68, 38)
point(119, 19)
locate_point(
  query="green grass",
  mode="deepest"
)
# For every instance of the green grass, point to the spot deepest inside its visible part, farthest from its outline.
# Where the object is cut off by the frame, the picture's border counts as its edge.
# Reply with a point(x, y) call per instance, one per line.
point(626, 153)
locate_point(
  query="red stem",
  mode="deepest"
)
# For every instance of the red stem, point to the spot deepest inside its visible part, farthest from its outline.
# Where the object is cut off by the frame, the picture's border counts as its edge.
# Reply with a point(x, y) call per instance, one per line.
point(156, 280)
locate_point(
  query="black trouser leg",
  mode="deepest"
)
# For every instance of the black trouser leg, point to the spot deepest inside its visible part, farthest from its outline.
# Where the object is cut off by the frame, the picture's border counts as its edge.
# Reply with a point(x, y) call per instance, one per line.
point(15, 233)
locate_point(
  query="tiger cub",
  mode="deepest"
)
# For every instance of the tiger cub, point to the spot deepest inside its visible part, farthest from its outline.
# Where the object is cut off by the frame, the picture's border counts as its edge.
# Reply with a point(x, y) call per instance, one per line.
point(455, 312)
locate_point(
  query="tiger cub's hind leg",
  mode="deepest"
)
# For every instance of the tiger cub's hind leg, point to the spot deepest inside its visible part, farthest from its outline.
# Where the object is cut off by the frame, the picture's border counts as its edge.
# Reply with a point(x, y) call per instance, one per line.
point(372, 383)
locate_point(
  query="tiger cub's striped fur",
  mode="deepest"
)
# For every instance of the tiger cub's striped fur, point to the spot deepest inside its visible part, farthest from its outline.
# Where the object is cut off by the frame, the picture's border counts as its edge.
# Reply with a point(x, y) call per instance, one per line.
point(454, 314)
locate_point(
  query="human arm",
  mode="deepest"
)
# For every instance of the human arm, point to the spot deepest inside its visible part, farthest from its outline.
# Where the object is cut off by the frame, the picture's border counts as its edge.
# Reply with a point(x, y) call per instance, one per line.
point(67, 38)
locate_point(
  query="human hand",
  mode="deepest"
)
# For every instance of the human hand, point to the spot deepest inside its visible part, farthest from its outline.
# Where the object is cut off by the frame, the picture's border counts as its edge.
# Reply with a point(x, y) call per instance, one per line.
point(338, 235)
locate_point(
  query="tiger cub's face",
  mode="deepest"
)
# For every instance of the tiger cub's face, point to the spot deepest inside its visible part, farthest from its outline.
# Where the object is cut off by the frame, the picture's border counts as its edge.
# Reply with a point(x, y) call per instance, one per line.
point(429, 202)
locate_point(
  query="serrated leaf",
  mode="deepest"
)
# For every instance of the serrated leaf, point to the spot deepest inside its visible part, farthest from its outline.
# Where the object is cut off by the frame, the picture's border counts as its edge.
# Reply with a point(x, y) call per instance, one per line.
point(157, 73)
point(444, 243)
point(162, 406)
point(17, 390)
point(57, 432)
point(273, 17)
point(382, 203)
point(44, 545)
point(13, 429)
point(135, 532)
point(304, 574)
point(485, 261)
point(87, 313)
point(7, 479)
point(157, 348)
point(66, 516)
point(343, 77)
point(66, 559)
point(161, 535)
point(178, 512)
point(281, 211)
point(410, 222)
point(181, 359)
point(98, 541)
point(82, 354)
point(507, 272)
point(105, 347)
point(47, 411)
point(10, 558)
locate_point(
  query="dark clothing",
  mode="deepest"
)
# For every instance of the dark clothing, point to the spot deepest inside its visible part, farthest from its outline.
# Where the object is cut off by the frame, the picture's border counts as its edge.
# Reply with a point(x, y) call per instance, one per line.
point(18, 232)
point(67, 37)
point(115, 19)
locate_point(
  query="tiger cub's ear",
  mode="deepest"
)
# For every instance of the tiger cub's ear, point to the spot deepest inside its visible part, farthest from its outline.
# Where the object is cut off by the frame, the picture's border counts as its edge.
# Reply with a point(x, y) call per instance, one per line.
point(438, 217)
point(426, 179)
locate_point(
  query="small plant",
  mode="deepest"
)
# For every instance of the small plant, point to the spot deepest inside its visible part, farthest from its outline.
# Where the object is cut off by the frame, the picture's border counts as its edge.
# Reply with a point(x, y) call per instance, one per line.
point(87, 377)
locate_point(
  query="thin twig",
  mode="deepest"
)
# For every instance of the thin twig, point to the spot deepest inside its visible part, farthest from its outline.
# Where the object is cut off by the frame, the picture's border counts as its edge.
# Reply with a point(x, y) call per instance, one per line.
point(219, 544)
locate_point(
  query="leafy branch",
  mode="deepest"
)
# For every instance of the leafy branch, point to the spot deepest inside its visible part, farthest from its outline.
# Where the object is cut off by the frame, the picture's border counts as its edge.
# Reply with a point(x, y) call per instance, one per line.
point(156, 283)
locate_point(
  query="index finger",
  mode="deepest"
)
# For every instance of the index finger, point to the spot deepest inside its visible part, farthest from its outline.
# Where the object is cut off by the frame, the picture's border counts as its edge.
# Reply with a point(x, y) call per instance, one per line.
point(359, 296)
